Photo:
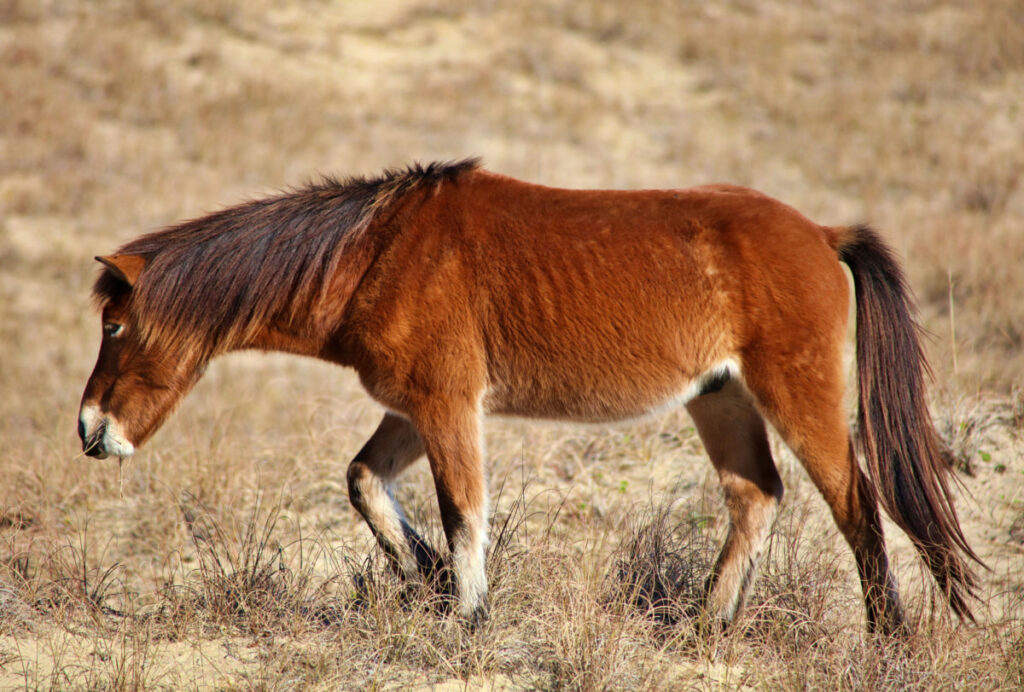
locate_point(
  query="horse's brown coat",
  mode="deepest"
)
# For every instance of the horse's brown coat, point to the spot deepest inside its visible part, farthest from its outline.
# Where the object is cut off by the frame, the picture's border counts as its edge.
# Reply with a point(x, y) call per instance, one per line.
point(456, 293)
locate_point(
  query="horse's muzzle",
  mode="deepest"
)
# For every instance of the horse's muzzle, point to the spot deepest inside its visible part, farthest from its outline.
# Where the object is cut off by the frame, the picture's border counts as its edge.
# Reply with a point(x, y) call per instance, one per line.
point(102, 435)
point(93, 444)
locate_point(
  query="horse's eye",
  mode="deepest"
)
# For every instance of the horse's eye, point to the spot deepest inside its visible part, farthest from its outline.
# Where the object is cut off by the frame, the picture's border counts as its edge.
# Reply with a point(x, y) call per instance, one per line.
point(113, 329)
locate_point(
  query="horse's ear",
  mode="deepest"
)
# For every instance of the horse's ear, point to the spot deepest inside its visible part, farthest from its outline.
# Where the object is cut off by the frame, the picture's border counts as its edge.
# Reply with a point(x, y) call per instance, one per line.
point(125, 267)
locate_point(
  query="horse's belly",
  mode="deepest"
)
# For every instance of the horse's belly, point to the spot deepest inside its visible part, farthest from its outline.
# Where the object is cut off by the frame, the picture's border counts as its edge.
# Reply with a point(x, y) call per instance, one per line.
point(614, 399)
point(583, 409)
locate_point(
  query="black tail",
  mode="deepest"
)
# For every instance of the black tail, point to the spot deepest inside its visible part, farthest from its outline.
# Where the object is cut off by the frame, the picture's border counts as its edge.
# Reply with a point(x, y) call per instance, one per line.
point(901, 447)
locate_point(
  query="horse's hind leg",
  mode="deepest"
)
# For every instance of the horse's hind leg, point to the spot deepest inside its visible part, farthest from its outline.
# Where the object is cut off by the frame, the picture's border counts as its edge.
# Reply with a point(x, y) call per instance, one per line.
point(806, 407)
point(389, 451)
point(734, 435)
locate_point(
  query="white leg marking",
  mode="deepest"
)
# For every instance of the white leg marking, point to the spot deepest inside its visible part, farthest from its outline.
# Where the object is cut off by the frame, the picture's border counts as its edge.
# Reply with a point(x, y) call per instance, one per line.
point(470, 551)
point(469, 563)
point(387, 517)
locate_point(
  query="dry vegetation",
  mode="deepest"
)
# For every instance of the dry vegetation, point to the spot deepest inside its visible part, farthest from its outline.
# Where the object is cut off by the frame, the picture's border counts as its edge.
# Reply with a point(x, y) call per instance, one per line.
point(226, 554)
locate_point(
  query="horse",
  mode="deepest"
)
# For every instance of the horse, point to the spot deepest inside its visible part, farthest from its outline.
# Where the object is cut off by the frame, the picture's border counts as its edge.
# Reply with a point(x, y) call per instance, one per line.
point(456, 293)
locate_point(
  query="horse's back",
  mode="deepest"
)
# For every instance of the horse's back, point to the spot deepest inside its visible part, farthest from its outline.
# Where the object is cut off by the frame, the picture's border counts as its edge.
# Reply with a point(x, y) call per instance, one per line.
point(591, 304)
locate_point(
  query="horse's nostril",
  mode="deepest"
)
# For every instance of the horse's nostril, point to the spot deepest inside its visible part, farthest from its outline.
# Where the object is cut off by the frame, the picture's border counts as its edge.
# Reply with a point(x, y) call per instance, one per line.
point(92, 445)
point(81, 430)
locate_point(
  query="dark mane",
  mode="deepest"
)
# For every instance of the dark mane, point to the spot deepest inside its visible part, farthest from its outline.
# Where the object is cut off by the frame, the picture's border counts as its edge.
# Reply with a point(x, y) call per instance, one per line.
point(211, 282)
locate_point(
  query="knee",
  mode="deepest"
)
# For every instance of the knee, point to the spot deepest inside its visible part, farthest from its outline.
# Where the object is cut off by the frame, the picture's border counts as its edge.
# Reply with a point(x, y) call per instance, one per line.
point(357, 475)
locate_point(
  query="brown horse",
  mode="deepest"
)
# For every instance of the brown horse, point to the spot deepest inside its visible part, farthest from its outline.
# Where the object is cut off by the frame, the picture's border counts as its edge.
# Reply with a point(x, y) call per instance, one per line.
point(457, 293)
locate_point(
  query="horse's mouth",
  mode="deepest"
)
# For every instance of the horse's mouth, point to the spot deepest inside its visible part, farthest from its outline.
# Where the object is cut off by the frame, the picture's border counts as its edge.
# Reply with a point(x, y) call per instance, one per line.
point(93, 446)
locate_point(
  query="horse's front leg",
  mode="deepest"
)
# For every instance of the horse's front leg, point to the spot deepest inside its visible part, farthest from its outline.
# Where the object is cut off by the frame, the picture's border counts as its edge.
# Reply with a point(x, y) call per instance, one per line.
point(392, 448)
point(451, 435)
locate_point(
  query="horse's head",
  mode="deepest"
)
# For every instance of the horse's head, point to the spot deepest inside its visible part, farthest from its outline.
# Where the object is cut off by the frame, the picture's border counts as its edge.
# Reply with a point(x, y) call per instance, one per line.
point(136, 382)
